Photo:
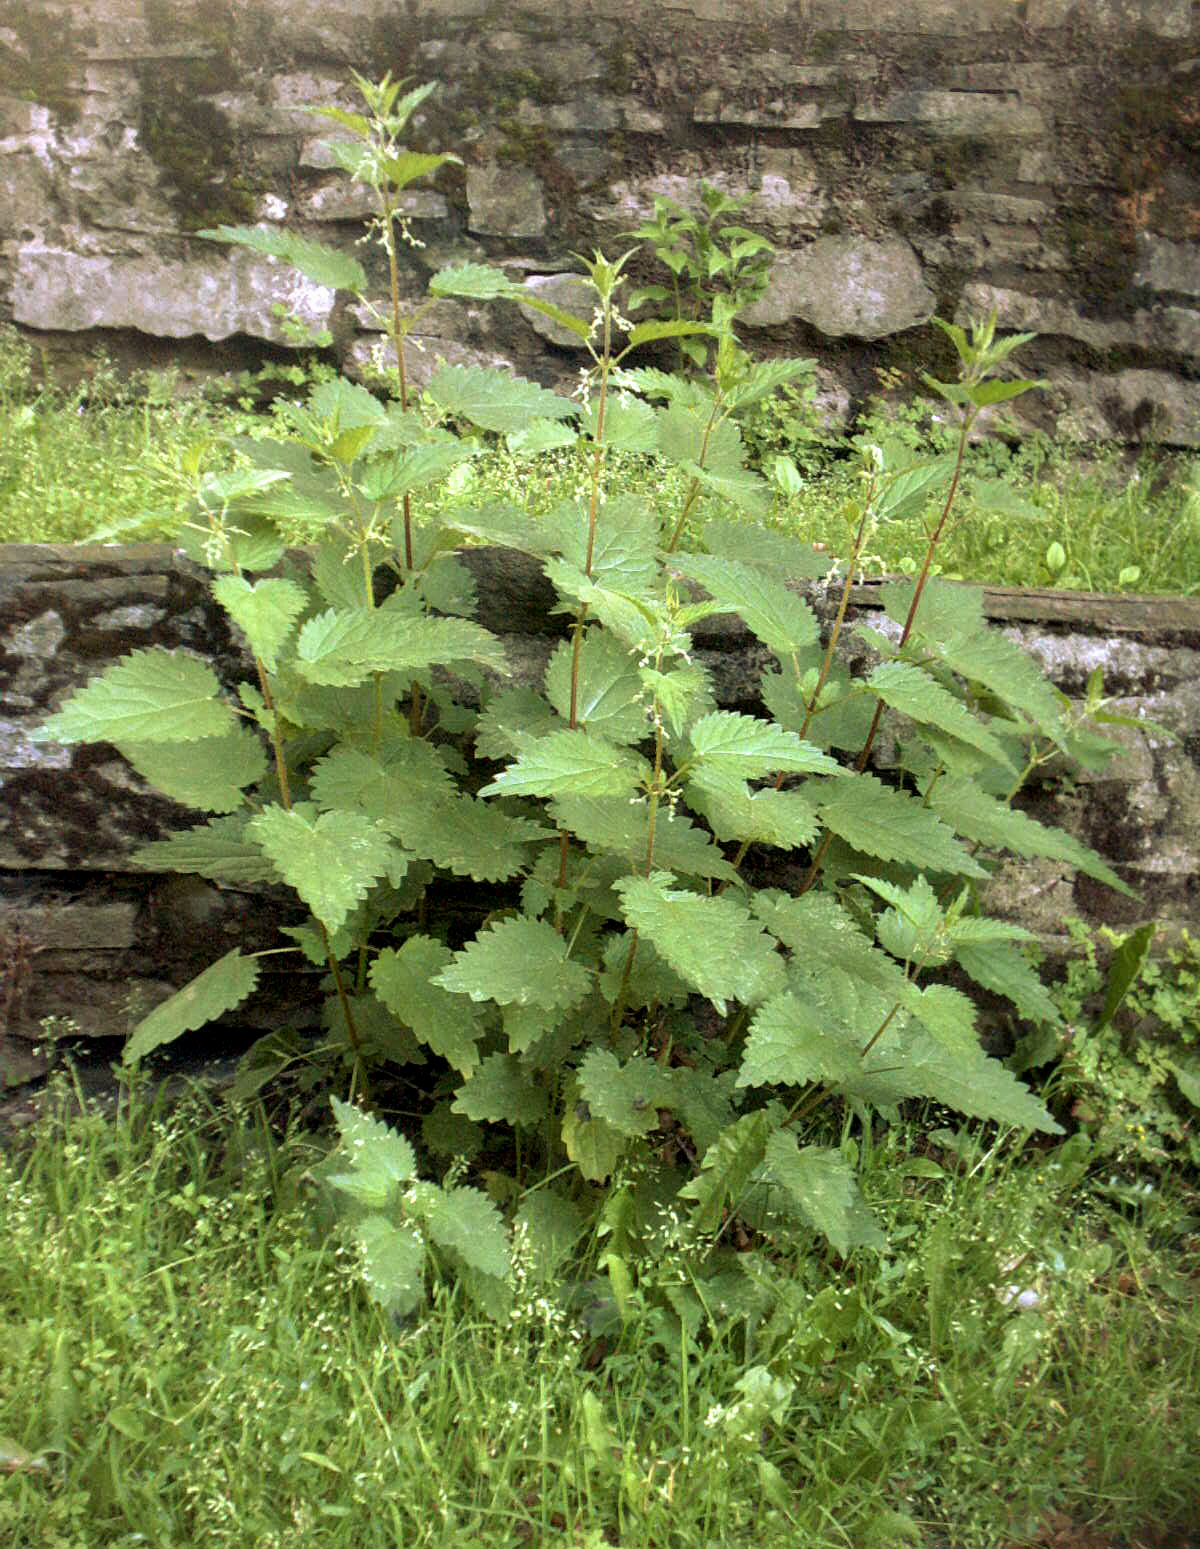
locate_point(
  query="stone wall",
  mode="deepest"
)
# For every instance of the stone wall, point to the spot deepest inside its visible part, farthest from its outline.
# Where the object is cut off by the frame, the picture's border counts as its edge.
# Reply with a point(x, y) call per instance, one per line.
point(906, 156)
point(88, 936)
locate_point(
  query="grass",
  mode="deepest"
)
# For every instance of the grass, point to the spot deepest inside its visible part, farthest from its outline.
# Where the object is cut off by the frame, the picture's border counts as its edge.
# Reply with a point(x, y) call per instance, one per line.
point(189, 1359)
point(107, 459)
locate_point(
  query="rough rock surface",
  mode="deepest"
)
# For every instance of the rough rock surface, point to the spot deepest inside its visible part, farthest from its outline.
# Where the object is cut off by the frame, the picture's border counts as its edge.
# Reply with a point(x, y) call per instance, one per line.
point(906, 156)
point(86, 935)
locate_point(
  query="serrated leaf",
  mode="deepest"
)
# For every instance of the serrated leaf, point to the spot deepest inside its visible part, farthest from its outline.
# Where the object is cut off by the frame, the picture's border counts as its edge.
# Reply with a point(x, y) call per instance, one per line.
point(624, 555)
point(341, 649)
point(743, 747)
point(947, 609)
point(407, 167)
point(974, 1085)
point(630, 424)
point(475, 282)
point(1004, 970)
point(264, 611)
point(1001, 665)
point(323, 265)
point(380, 1160)
point(786, 820)
point(892, 826)
point(493, 399)
point(408, 775)
point(626, 1095)
point(712, 943)
point(779, 618)
point(906, 494)
point(594, 1145)
point(726, 1170)
point(571, 763)
point(389, 478)
point(540, 436)
point(651, 982)
point(620, 827)
point(947, 1015)
point(517, 962)
point(467, 1223)
point(331, 861)
point(672, 328)
point(449, 1024)
point(220, 850)
point(218, 989)
point(742, 487)
point(822, 936)
point(975, 814)
point(609, 694)
point(511, 720)
point(914, 693)
point(822, 1186)
point(792, 1041)
point(152, 695)
point(209, 775)
point(471, 838)
point(690, 434)
point(393, 1263)
point(501, 1091)
point(762, 548)
point(767, 377)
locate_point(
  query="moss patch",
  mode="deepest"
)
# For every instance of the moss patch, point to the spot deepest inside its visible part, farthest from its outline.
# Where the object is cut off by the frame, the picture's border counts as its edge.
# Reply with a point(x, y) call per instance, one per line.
point(41, 65)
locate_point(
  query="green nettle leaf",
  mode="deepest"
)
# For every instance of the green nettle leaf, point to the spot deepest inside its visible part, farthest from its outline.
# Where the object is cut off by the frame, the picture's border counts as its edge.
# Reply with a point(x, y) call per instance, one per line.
point(449, 1024)
point(905, 494)
point(627, 1096)
point(783, 621)
point(572, 763)
point(471, 838)
point(624, 557)
point(726, 1169)
point(821, 1184)
point(1005, 970)
point(914, 693)
point(621, 827)
point(703, 1103)
point(219, 850)
point(891, 825)
point(467, 1223)
point(388, 478)
point(764, 549)
point(609, 697)
point(342, 648)
point(512, 720)
point(594, 1145)
point(999, 664)
point(973, 1084)
point(501, 1091)
point(786, 819)
point(650, 983)
point(712, 943)
point(495, 400)
point(209, 775)
point(630, 425)
point(743, 488)
point(218, 989)
point(152, 695)
point(767, 377)
point(264, 611)
point(792, 1041)
point(682, 694)
point(742, 747)
point(517, 962)
point(947, 1015)
point(540, 436)
point(690, 434)
point(331, 861)
point(979, 816)
point(323, 265)
point(476, 282)
point(381, 1161)
point(393, 1263)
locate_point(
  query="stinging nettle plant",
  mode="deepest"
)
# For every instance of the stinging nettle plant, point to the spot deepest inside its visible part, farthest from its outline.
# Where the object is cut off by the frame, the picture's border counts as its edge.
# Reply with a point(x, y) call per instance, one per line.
point(621, 805)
